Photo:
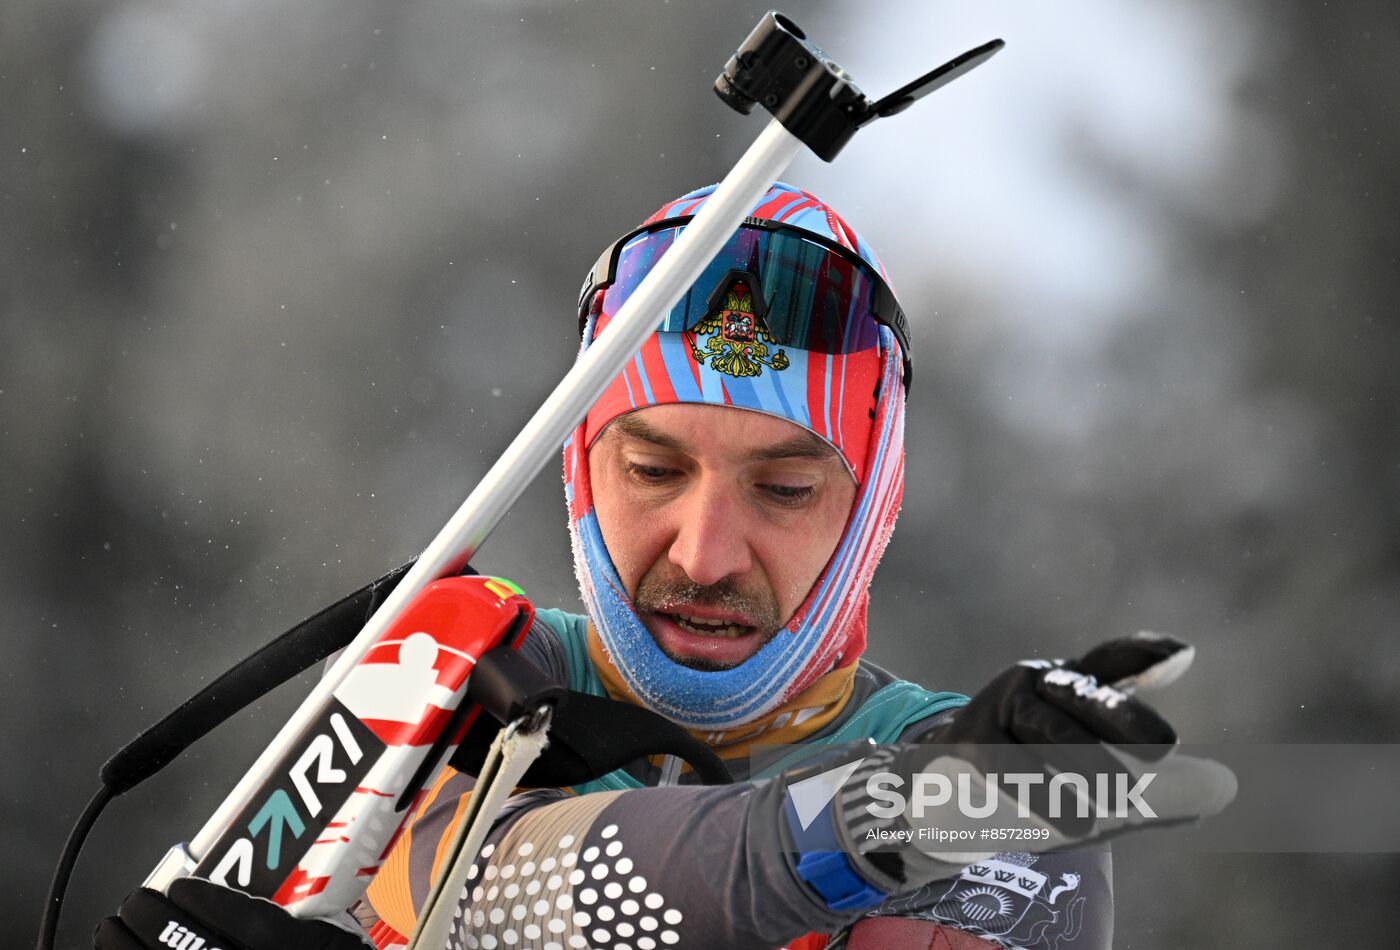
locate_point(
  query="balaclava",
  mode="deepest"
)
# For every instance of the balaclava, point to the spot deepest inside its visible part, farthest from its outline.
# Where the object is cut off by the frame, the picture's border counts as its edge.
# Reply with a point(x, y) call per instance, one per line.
point(855, 401)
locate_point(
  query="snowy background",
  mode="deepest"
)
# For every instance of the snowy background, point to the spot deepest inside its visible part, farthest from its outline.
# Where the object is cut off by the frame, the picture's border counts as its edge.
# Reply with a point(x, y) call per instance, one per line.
point(279, 281)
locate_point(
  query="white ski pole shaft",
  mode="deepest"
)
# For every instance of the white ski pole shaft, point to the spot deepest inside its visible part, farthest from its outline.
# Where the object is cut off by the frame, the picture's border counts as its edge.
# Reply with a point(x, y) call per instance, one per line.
point(538, 442)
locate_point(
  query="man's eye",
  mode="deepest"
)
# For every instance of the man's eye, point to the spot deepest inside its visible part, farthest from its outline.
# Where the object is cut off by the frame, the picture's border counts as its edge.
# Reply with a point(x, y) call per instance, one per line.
point(649, 473)
point(790, 494)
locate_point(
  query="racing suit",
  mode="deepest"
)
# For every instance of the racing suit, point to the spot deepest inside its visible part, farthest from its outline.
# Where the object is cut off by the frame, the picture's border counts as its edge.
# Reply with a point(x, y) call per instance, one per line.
point(646, 858)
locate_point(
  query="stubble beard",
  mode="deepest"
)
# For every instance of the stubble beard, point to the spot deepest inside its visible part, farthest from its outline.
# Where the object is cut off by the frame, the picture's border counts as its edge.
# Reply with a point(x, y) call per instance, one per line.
point(659, 594)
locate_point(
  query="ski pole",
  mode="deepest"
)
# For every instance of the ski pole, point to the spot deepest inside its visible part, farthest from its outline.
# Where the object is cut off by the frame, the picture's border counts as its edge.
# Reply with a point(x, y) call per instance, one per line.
point(531, 450)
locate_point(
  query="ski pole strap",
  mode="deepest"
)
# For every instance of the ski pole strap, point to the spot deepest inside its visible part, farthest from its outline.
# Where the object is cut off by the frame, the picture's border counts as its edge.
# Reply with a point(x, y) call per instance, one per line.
point(515, 748)
point(295, 651)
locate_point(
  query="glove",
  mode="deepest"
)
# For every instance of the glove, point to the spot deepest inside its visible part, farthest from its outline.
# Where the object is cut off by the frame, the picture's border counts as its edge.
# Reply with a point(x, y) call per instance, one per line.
point(1040, 718)
point(1072, 707)
point(198, 915)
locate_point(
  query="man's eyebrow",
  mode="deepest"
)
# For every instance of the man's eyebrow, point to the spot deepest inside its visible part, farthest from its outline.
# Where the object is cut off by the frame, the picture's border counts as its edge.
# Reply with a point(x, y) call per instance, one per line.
point(634, 428)
point(804, 445)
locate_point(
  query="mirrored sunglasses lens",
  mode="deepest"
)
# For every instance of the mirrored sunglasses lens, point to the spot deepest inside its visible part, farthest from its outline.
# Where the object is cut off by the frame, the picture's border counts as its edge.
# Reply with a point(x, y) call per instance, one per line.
point(816, 299)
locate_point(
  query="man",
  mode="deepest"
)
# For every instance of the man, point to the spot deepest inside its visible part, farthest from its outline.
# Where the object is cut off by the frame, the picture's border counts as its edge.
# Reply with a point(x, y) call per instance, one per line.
point(729, 498)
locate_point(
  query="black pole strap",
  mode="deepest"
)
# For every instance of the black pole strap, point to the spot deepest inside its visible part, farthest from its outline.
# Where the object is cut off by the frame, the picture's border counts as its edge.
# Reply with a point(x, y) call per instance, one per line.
point(58, 887)
point(309, 642)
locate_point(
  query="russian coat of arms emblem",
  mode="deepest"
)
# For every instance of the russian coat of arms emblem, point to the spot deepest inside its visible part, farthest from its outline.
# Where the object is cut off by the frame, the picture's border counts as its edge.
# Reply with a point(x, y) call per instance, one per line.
point(737, 340)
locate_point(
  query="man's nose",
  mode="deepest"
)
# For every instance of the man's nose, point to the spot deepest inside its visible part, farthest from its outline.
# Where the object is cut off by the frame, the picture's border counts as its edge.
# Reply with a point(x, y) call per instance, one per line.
point(711, 540)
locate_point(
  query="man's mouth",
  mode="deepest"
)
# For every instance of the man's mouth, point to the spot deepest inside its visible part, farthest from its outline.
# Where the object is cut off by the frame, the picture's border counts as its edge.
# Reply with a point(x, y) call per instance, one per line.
point(704, 643)
point(705, 628)
point(724, 629)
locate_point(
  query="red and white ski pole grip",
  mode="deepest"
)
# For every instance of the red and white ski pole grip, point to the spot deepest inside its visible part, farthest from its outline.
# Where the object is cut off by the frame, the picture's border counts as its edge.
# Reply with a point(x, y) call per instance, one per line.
point(323, 819)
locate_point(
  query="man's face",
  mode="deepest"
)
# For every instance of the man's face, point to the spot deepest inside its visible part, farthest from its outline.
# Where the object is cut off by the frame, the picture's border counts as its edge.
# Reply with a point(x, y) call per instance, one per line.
point(719, 521)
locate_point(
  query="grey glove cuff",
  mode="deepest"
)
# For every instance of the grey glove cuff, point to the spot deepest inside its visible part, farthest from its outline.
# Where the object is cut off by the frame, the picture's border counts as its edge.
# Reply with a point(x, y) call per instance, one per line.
point(885, 850)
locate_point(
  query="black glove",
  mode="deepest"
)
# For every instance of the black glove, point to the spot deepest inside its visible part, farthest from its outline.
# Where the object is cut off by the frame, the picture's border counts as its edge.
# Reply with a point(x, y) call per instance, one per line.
point(197, 915)
point(1040, 717)
point(1070, 707)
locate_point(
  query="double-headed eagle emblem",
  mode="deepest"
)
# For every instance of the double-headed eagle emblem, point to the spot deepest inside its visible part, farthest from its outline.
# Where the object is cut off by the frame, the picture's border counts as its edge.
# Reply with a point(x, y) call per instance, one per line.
point(738, 338)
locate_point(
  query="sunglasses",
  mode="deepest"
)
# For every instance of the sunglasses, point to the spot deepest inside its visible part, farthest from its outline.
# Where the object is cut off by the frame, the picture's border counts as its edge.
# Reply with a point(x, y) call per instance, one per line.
point(807, 292)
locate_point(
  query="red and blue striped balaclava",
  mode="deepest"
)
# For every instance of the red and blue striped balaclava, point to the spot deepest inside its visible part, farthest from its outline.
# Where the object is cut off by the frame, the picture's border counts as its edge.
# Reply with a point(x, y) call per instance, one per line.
point(852, 399)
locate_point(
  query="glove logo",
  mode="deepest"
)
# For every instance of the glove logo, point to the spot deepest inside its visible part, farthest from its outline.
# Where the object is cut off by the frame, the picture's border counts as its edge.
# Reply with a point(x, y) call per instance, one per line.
point(178, 937)
point(1086, 687)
